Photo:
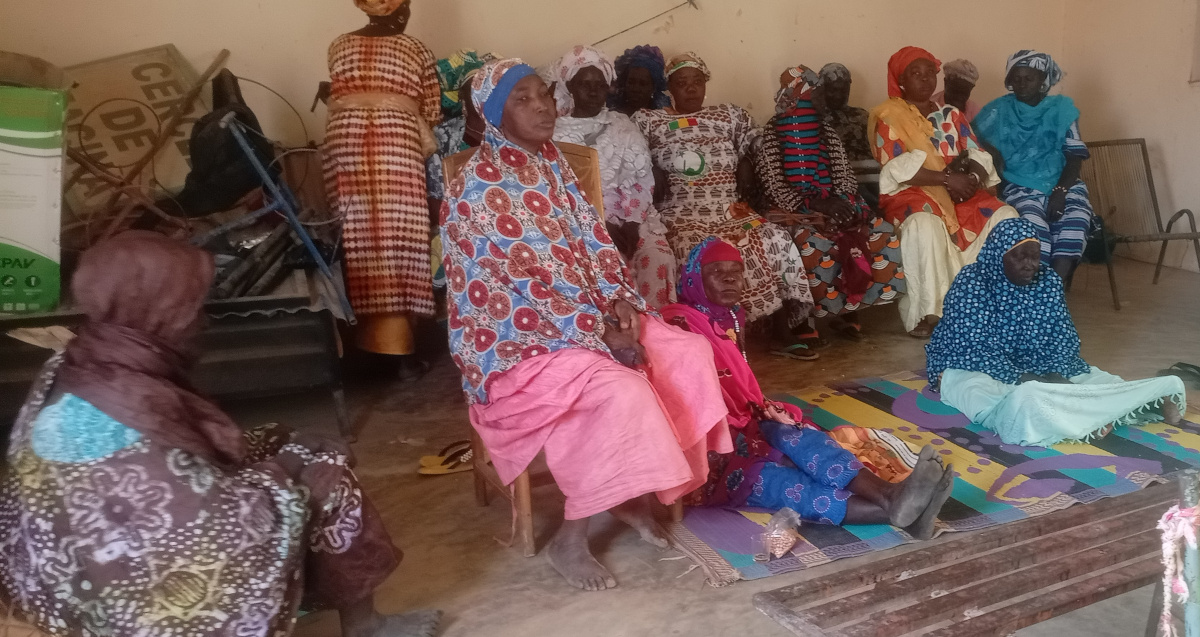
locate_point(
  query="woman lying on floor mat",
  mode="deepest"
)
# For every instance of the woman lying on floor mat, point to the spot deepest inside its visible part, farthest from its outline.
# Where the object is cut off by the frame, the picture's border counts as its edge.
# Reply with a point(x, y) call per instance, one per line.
point(1006, 354)
point(781, 459)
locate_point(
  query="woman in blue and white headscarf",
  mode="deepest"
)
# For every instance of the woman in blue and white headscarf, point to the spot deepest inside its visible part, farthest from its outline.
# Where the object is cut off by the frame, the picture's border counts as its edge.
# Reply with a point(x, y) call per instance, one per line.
point(1036, 135)
point(1006, 354)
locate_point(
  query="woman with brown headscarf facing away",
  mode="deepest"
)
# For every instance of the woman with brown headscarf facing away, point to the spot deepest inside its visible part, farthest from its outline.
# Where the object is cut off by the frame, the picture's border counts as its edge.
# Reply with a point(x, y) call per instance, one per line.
point(133, 506)
point(384, 98)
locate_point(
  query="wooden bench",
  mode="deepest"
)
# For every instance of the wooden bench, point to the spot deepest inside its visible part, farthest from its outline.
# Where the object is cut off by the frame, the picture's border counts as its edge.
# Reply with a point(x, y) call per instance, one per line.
point(989, 582)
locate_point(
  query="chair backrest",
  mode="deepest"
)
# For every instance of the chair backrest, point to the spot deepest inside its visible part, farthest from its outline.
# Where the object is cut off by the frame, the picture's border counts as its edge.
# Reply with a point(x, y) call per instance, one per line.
point(582, 159)
point(1121, 186)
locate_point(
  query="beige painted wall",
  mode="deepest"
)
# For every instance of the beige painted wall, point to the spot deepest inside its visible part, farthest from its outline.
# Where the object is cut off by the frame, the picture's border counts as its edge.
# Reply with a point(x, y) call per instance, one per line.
point(282, 42)
point(1116, 52)
point(1127, 67)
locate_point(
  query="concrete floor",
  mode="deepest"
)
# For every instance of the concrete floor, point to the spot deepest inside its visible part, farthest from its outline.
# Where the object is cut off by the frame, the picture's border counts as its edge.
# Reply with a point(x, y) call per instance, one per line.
point(454, 563)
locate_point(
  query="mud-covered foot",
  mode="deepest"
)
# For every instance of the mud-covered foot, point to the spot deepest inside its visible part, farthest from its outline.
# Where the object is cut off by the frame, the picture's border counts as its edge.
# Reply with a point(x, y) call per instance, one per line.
point(570, 556)
point(637, 514)
point(923, 528)
point(1170, 412)
point(916, 490)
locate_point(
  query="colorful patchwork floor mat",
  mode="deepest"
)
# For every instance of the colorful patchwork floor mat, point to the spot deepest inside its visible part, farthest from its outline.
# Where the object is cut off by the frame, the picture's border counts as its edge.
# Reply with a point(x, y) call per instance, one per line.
point(995, 482)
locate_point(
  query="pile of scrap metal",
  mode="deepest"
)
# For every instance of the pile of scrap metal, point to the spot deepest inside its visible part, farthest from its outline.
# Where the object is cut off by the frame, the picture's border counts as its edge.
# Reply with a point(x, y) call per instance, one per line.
point(147, 148)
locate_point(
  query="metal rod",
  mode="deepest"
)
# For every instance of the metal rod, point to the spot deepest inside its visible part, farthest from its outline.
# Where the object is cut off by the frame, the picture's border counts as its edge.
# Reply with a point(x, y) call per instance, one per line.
point(277, 191)
point(681, 5)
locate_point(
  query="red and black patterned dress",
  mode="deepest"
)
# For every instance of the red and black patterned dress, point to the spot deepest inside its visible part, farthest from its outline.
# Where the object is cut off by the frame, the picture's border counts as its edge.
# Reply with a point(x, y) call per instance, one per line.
point(375, 173)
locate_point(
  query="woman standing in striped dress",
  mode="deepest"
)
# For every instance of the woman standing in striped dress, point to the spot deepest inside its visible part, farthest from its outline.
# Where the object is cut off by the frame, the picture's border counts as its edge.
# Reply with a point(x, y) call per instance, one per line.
point(384, 98)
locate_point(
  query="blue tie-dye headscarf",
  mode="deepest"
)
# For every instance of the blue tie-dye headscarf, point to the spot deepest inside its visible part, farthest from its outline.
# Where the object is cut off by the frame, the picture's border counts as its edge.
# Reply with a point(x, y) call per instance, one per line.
point(1029, 137)
point(1000, 329)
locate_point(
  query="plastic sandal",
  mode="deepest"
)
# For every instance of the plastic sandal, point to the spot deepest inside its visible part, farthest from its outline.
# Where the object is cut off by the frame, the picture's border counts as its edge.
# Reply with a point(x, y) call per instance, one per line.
point(453, 448)
point(457, 462)
point(796, 351)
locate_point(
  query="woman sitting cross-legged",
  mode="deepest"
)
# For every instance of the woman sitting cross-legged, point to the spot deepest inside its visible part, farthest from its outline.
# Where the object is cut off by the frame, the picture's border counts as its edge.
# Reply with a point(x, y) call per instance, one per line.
point(132, 506)
point(1006, 354)
point(782, 459)
point(541, 310)
point(1037, 137)
point(934, 185)
point(809, 187)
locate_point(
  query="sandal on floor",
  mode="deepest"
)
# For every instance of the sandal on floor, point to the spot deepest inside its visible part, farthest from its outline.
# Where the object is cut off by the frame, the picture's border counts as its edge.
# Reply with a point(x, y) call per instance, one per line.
point(456, 462)
point(813, 340)
point(852, 331)
point(796, 351)
point(453, 448)
point(1184, 371)
point(412, 372)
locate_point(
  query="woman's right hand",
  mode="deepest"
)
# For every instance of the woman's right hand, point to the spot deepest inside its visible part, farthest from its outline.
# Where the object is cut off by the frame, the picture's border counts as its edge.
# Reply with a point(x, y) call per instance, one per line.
point(962, 186)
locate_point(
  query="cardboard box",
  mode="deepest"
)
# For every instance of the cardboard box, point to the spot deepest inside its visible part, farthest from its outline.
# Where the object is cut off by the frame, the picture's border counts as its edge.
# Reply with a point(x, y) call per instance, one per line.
point(118, 106)
point(31, 169)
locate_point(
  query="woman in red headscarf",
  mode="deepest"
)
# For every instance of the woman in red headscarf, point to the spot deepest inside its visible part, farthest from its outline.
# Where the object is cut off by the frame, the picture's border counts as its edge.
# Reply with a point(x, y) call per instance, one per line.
point(935, 185)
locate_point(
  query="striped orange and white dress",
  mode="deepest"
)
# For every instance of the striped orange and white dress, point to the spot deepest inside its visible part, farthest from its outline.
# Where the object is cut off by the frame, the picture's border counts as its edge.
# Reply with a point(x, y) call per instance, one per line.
point(375, 179)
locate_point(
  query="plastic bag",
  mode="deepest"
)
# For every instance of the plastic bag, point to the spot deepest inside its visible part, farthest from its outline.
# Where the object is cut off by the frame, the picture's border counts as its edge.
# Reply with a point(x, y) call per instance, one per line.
point(780, 535)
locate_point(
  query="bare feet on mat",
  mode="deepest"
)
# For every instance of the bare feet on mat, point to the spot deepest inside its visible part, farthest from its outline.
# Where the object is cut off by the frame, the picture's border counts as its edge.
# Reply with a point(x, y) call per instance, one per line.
point(1107, 429)
point(1170, 412)
point(917, 490)
point(638, 514)
point(421, 623)
point(570, 556)
point(924, 527)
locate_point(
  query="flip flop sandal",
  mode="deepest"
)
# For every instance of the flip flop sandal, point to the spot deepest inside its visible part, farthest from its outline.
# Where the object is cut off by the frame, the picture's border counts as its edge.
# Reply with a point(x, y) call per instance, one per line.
point(796, 351)
point(813, 340)
point(1184, 371)
point(852, 331)
point(457, 462)
point(454, 447)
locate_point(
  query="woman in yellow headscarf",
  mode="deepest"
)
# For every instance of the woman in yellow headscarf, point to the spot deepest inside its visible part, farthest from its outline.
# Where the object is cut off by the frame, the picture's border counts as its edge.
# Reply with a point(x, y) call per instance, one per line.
point(934, 185)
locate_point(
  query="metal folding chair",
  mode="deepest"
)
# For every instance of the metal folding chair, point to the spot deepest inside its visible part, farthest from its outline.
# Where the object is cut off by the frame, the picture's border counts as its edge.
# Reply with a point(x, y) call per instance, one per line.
point(1121, 185)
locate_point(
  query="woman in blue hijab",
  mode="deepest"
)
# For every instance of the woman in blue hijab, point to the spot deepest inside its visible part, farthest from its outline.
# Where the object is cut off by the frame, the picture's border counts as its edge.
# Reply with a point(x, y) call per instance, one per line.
point(1006, 354)
point(1036, 135)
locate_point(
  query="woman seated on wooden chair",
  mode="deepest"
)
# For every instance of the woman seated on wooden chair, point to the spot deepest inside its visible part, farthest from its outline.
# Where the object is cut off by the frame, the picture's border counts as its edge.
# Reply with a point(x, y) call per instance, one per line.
point(1006, 354)
point(541, 309)
point(782, 459)
point(133, 506)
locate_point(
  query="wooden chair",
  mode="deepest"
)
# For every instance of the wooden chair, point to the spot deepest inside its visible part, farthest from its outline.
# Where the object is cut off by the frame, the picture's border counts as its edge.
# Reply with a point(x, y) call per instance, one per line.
point(1121, 185)
point(586, 164)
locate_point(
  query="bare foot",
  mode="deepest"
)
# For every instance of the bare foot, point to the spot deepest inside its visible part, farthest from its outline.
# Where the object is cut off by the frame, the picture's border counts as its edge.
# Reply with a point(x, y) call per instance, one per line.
point(916, 490)
point(421, 623)
point(637, 513)
point(1170, 412)
point(1107, 429)
point(923, 528)
point(570, 556)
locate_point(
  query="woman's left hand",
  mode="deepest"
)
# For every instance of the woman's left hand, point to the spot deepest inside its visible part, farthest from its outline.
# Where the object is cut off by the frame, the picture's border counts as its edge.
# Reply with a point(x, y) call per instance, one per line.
point(1056, 204)
point(627, 316)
